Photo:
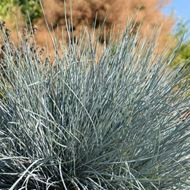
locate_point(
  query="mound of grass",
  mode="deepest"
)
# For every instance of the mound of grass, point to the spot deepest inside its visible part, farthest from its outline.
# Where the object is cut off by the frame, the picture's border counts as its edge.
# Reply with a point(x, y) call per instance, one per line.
point(76, 124)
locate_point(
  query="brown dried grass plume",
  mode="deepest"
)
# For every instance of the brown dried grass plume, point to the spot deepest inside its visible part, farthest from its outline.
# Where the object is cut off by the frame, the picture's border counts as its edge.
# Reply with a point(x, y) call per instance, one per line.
point(111, 14)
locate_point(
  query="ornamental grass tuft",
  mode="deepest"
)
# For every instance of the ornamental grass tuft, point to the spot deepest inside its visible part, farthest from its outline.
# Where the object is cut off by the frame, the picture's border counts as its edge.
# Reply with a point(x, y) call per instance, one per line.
point(81, 125)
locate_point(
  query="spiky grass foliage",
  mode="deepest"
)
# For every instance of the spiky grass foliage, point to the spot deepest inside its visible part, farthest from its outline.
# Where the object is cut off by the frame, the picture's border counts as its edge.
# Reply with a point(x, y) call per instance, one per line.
point(88, 126)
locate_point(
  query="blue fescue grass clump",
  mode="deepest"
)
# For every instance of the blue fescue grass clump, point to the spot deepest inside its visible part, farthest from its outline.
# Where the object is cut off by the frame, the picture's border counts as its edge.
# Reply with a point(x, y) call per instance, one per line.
point(80, 125)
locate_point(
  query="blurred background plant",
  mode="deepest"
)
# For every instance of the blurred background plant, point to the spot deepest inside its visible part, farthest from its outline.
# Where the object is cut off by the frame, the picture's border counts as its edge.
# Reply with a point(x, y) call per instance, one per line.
point(182, 32)
point(8, 9)
point(84, 12)
point(30, 8)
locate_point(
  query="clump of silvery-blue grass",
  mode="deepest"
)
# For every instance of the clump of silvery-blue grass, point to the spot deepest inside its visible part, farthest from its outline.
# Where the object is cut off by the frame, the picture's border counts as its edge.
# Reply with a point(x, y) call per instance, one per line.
point(80, 125)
